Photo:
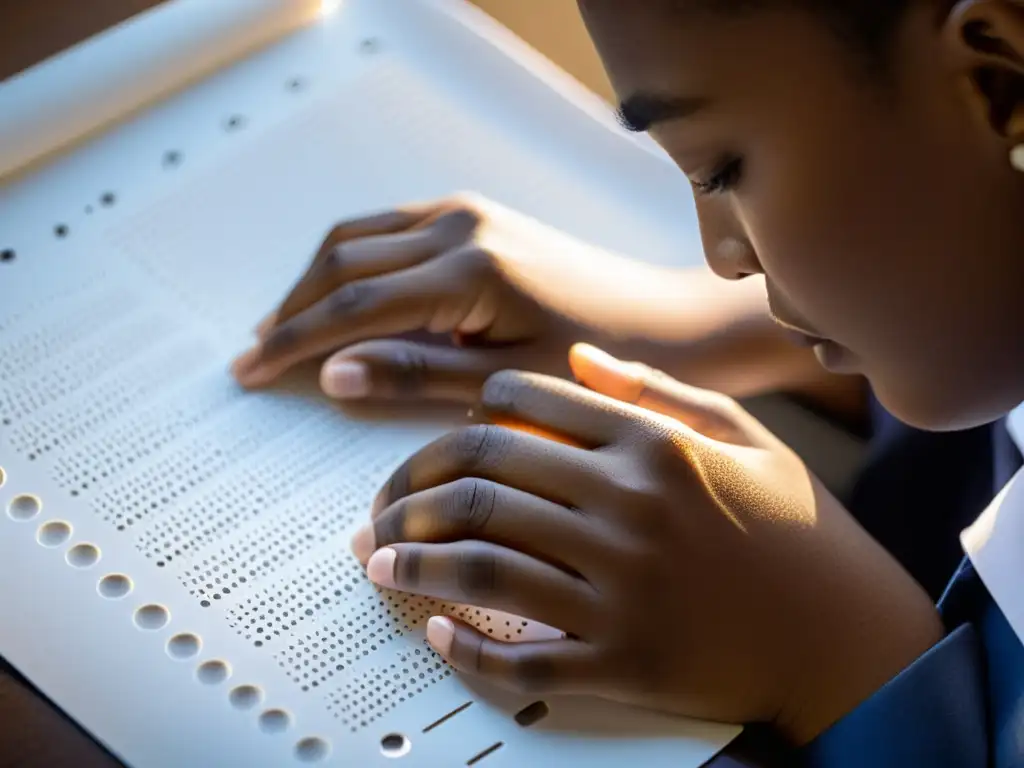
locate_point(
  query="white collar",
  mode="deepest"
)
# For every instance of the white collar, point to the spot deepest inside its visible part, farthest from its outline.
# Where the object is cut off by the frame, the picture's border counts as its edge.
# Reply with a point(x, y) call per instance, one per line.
point(1015, 424)
point(995, 541)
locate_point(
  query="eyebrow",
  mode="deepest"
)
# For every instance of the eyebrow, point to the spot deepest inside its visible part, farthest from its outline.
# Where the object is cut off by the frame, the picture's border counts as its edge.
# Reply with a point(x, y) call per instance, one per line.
point(642, 111)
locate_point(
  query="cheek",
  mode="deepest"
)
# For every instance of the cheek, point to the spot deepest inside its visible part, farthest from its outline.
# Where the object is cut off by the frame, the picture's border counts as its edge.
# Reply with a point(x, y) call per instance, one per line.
point(843, 238)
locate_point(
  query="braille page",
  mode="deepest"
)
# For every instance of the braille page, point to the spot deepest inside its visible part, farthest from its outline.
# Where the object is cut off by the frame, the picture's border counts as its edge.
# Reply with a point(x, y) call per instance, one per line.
point(174, 562)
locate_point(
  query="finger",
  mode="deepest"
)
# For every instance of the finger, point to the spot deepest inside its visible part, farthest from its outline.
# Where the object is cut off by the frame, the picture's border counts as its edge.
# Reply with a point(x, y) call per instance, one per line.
point(548, 667)
point(483, 510)
point(358, 258)
point(392, 369)
point(489, 576)
point(709, 413)
point(559, 473)
point(385, 305)
point(559, 407)
point(307, 291)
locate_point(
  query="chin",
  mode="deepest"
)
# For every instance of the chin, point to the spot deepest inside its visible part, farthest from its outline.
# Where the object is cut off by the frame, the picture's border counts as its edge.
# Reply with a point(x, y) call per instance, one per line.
point(935, 409)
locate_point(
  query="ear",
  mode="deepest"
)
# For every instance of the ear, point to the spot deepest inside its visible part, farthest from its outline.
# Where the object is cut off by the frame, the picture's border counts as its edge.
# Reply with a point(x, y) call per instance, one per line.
point(986, 38)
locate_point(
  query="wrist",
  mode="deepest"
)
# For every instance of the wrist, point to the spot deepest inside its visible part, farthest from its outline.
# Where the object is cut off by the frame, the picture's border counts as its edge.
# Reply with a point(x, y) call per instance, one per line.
point(863, 655)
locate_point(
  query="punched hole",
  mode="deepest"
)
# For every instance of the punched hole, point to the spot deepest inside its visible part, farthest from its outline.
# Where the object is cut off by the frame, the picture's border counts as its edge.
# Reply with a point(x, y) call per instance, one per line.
point(395, 745)
point(532, 714)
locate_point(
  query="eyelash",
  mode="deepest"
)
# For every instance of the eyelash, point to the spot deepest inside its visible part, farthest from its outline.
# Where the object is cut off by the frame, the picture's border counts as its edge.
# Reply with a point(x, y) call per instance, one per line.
point(725, 178)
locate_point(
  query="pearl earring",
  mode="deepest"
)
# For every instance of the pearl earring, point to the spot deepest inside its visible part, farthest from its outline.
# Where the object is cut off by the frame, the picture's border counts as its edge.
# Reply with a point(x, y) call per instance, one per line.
point(1017, 157)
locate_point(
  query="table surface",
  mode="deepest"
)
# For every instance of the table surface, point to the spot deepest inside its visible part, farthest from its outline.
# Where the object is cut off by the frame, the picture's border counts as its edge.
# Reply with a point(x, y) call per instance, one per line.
point(33, 732)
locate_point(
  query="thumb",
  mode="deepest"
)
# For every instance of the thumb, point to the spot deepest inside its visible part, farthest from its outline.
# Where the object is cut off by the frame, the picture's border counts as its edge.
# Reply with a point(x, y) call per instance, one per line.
point(710, 413)
point(396, 369)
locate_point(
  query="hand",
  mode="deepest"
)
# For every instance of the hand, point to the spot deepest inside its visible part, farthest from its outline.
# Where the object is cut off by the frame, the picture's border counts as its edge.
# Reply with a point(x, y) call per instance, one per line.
point(494, 282)
point(497, 290)
point(694, 563)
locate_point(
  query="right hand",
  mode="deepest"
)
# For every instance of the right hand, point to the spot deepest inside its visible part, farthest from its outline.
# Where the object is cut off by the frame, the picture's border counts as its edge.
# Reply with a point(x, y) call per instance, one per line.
point(490, 288)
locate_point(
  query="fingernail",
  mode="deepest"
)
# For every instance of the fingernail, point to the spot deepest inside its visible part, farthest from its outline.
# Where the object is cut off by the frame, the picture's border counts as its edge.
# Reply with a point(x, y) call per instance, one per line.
point(380, 568)
point(441, 634)
point(363, 544)
point(345, 380)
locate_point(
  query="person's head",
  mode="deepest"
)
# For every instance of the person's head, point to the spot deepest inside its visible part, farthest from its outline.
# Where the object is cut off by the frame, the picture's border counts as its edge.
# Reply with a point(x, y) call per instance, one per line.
point(857, 152)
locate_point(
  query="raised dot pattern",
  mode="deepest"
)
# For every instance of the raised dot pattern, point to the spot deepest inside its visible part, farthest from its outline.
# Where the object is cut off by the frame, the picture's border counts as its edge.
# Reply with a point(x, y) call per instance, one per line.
point(306, 523)
point(189, 463)
point(65, 374)
point(37, 339)
point(107, 398)
point(139, 435)
point(313, 450)
point(369, 696)
point(314, 658)
point(268, 614)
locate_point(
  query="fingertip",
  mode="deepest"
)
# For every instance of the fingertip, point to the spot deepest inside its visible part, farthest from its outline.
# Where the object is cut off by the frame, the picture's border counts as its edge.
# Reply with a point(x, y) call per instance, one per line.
point(363, 544)
point(345, 379)
point(380, 568)
point(247, 371)
point(604, 374)
point(441, 634)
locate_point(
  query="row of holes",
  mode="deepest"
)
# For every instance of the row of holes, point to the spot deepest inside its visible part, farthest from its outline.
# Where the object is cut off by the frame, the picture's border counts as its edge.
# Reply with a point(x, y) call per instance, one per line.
point(173, 158)
point(182, 646)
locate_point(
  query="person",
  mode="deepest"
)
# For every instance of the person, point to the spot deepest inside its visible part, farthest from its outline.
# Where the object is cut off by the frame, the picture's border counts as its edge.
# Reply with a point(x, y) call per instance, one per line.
point(865, 160)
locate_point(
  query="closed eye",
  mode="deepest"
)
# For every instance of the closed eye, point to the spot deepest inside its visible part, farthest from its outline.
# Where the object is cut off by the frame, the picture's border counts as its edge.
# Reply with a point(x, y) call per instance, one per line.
point(724, 179)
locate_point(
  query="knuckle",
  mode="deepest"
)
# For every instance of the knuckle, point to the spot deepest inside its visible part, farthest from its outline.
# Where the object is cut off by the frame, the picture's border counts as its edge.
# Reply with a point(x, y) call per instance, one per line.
point(408, 566)
point(389, 527)
point(349, 298)
point(664, 444)
point(505, 391)
point(472, 503)
point(281, 341)
point(410, 370)
point(337, 257)
point(460, 220)
point(480, 446)
point(476, 572)
point(479, 260)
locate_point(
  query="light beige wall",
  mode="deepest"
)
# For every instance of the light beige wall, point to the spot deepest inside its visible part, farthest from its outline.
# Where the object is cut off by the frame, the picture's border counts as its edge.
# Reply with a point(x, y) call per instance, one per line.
point(555, 29)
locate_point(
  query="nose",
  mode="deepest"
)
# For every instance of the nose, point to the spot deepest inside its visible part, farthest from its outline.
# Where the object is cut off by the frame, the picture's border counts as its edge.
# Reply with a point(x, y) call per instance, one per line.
point(727, 249)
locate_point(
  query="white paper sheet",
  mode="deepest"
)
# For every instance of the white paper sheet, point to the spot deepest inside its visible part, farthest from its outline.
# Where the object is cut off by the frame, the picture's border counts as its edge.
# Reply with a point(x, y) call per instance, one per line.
point(174, 569)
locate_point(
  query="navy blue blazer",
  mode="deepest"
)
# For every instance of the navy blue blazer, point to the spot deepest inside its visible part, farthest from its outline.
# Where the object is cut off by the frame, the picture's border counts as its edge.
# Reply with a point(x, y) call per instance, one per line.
point(961, 705)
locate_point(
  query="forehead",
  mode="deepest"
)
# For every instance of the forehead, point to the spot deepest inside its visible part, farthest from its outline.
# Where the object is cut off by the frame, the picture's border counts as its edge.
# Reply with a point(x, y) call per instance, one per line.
point(702, 46)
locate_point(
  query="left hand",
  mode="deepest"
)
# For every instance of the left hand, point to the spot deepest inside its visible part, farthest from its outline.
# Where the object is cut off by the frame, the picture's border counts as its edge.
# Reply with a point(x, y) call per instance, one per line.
point(693, 562)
